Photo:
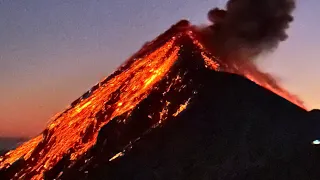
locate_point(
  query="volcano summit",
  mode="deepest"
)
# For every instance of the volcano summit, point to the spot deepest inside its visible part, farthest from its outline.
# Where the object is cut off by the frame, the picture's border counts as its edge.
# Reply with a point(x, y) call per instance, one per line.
point(168, 113)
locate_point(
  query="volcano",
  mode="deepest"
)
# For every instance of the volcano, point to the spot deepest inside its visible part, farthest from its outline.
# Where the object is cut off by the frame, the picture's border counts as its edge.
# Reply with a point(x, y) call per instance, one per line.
point(171, 100)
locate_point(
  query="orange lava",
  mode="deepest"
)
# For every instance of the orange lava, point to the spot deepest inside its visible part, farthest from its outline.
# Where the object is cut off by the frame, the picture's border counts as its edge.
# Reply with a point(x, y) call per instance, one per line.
point(134, 83)
point(265, 80)
point(250, 71)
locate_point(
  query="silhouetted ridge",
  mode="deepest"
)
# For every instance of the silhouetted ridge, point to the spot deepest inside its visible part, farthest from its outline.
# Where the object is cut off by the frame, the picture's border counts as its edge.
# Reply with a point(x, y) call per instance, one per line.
point(230, 132)
point(168, 114)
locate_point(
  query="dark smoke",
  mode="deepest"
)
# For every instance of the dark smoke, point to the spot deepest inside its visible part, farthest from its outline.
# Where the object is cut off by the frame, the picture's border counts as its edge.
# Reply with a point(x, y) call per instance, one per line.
point(248, 28)
point(245, 30)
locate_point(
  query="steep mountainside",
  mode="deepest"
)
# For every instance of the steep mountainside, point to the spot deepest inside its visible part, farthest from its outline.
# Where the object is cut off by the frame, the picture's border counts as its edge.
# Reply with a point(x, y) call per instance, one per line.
point(169, 104)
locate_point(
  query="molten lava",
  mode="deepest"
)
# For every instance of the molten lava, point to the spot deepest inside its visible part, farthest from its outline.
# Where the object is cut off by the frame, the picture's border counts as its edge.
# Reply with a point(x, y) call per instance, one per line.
point(75, 130)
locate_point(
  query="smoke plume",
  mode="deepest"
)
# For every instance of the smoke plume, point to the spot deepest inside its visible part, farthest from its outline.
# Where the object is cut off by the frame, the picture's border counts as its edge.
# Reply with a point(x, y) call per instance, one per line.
point(248, 28)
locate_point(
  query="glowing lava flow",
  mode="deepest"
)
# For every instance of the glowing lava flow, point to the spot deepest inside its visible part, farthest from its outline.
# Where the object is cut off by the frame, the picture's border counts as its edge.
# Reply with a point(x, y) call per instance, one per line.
point(67, 130)
point(75, 130)
point(265, 80)
point(250, 71)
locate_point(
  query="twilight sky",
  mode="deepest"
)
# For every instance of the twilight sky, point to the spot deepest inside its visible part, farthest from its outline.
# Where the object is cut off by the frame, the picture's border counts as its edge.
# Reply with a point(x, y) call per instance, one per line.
point(52, 51)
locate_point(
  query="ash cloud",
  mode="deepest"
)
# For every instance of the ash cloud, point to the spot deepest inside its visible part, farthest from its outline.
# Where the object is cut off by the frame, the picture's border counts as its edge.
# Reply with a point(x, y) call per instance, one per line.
point(244, 30)
point(248, 28)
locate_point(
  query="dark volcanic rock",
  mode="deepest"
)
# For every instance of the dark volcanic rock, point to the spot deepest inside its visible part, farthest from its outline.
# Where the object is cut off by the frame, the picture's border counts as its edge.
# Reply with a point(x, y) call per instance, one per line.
point(232, 129)
point(2, 152)
point(237, 130)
